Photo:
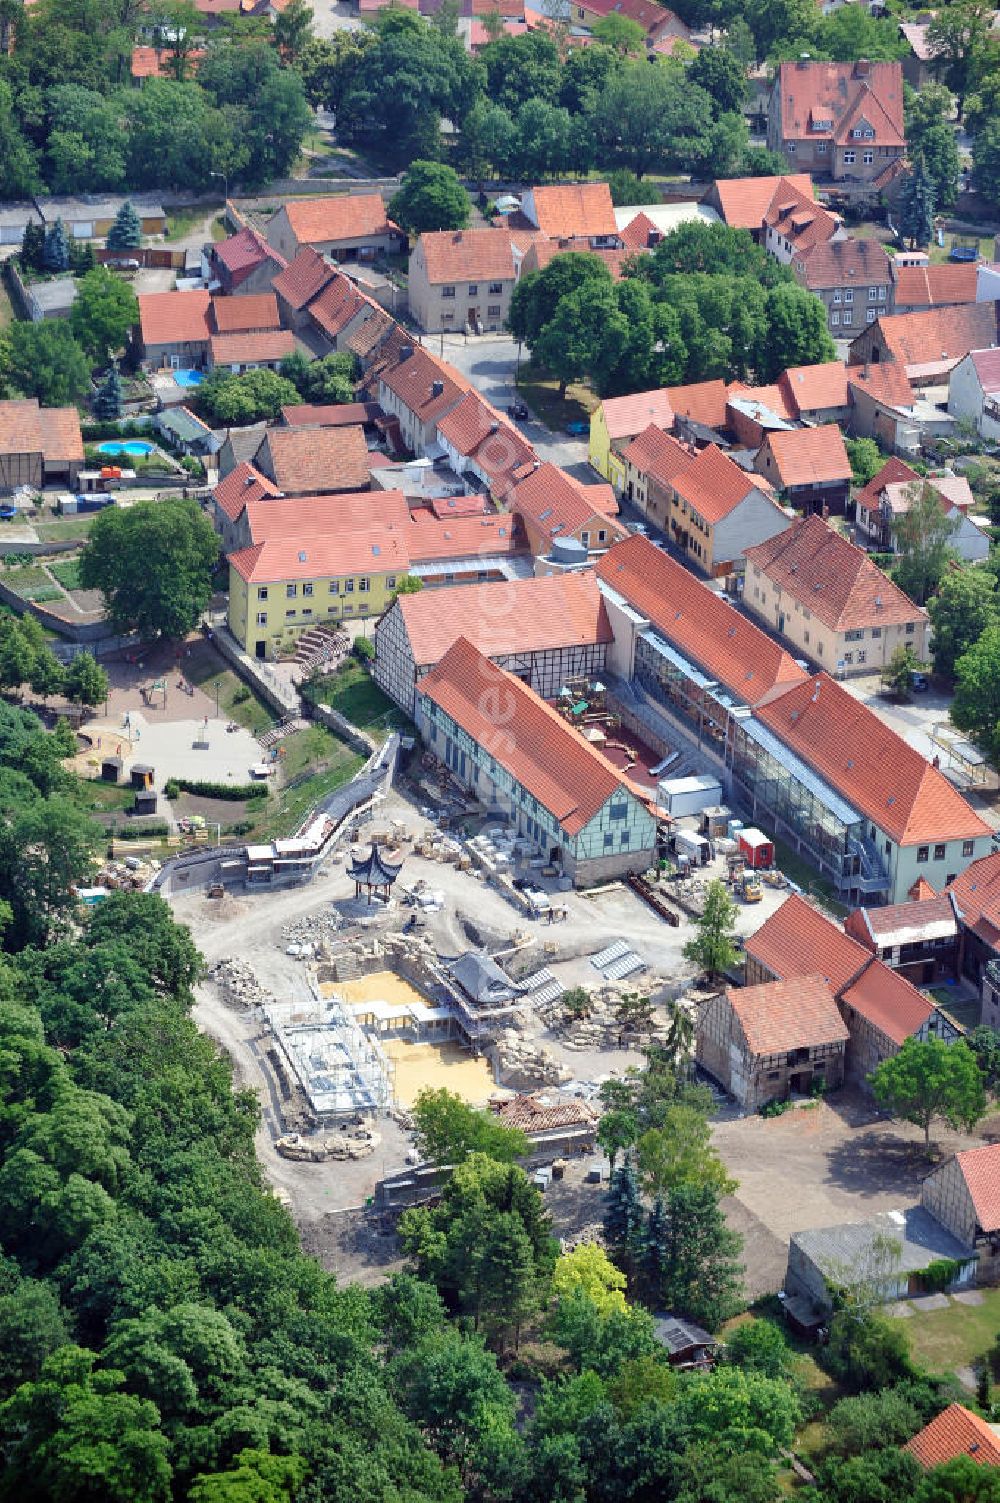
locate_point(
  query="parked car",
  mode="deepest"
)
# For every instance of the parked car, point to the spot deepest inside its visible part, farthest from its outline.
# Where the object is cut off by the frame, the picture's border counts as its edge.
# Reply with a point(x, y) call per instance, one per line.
point(578, 430)
point(919, 683)
point(518, 410)
point(8, 513)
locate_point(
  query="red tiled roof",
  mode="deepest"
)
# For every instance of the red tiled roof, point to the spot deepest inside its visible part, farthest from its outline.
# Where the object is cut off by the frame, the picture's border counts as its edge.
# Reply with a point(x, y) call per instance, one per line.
point(478, 255)
point(658, 455)
point(240, 487)
point(369, 334)
point(935, 286)
point(533, 1116)
point(337, 303)
point(541, 252)
point(800, 1013)
point(916, 34)
point(800, 220)
point(624, 417)
point(938, 335)
point(798, 940)
point(869, 765)
point(885, 382)
point(366, 550)
point(174, 317)
point(745, 200)
point(256, 347)
point(814, 564)
point(432, 538)
point(302, 278)
point(807, 456)
point(976, 892)
point(246, 250)
point(413, 381)
point(649, 14)
point(987, 364)
point(773, 399)
point(641, 233)
point(843, 263)
point(295, 517)
point(556, 504)
point(61, 435)
point(476, 430)
point(888, 1001)
point(871, 926)
point(713, 485)
point(307, 461)
point(27, 428)
point(811, 388)
point(703, 625)
point(158, 62)
point(922, 891)
point(507, 616)
point(981, 1171)
point(703, 403)
point(813, 92)
point(893, 470)
point(526, 736)
point(324, 415)
point(343, 216)
point(956, 1431)
point(240, 315)
point(575, 209)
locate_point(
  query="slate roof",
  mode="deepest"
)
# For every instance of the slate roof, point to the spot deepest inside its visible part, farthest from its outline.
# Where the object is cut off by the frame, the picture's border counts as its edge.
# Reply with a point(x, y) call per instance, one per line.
point(836, 1249)
point(869, 765)
point(836, 581)
point(568, 777)
point(779, 1016)
point(479, 976)
point(956, 1431)
point(700, 623)
point(798, 940)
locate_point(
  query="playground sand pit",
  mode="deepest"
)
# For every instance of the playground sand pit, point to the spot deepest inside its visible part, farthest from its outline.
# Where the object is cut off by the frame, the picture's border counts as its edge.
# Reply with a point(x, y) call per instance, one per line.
point(437, 1065)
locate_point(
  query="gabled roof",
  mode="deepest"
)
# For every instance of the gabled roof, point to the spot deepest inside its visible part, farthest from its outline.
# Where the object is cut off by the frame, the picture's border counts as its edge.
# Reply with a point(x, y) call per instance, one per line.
point(479, 255)
point(799, 219)
point(888, 1001)
point(980, 1169)
point(878, 772)
point(649, 14)
point(254, 347)
point(309, 461)
point(658, 455)
point(987, 367)
point(329, 415)
point(886, 382)
point(917, 922)
point(800, 1013)
point(158, 62)
point(557, 505)
point(813, 563)
point(534, 744)
point(812, 388)
point(291, 518)
point(369, 334)
point(575, 209)
point(956, 1431)
point(428, 387)
point(476, 430)
point(893, 470)
point(241, 314)
point(542, 251)
point(817, 97)
point(744, 201)
point(434, 538)
point(246, 250)
point(507, 616)
point(303, 277)
point(844, 263)
point(808, 456)
point(915, 34)
point(240, 487)
point(641, 233)
point(935, 286)
point(713, 484)
point(701, 624)
point(174, 317)
point(343, 216)
point(624, 417)
point(798, 940)
point(337, 304)
point(976, 893)
point(938, 336)
point(27, 428)
point(704, 402)
point(368, 550)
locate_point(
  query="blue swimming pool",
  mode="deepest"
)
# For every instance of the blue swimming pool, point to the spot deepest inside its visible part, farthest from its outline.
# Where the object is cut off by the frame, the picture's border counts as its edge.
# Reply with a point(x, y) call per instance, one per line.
point(135, 446)
point(188, 378)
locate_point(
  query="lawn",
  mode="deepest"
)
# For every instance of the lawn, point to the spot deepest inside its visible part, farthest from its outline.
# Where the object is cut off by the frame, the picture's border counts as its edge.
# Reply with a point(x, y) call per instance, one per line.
point(235, 698)
point(542, 395)
point(59, 529)
point(351, 692)
point(31, 582)
point(182, 221)
point(102, 798)
point(939, 253)
point(804, 875)
point(68, 573)
point(286, 809)
point(957, 1004)
point(945, 1340)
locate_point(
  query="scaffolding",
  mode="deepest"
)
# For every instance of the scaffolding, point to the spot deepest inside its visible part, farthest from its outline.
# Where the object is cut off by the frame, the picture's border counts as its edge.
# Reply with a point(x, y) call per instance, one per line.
point(341, 1069)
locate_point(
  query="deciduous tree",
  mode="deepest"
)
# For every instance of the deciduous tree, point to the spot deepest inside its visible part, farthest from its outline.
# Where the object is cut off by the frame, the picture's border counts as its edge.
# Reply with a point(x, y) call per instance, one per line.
point(104, 311)
point(447, 1130)
point(928, 1079)
point(712, 947)
point(966, 603)
point(430, 197)
point(153, 564)
point(923, 535)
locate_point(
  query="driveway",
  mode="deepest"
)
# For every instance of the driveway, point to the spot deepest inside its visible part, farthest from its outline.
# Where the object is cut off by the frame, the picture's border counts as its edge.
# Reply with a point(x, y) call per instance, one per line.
point(489, 362)
point(331, 16)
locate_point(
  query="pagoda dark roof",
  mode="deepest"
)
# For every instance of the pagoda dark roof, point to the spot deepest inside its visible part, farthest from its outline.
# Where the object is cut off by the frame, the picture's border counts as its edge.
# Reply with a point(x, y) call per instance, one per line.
point(373, 870)
point(482, 980)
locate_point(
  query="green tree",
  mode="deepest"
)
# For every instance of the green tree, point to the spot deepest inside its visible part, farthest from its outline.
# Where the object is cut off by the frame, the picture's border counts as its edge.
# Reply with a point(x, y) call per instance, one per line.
point(447, 1130)
point(623, 1216)
point(255, 1477)
point(451, 1387)
point(680, 1152)
point(627, 189)
point(962, 1480)
point(967, 602)
point(712, 947)
point(83, 141)
point(869, 1421)
point(45, 361)
point(760, 1346)
point(153, 564)
point(796, 331)
point(698, 1256)
point(262, 104)
point(929, 1079)
point(32, 1326)
point(741, 1411)
point(44, 852)
point(985, 1045)
point(520, 68)
point(866, 459)
point(33, 246)
point(589, 1268)
point(126, 232)
point(897, 676)
point(104, 311)
point(587, 329)
point(621, 34)
point(18, 161)
point(86, 682)
point(488, 142)
point(881, 1477)
point(107, 402)
point(986, 160)
point(922, 534)
point(235, 401)
point(723, 78)
point(538, 295)
point(954, 36)
point(293, 29)
point(652, 118)
point(976, 705)
point(56, 257)
point(544, 141)
point(430, 197)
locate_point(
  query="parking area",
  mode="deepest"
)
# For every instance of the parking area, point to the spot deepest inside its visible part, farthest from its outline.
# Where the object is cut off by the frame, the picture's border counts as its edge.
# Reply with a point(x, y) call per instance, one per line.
point(845, 1161)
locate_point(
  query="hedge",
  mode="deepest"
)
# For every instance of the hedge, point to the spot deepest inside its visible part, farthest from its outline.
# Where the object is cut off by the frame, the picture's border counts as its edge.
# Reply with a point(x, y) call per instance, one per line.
point(234, 792)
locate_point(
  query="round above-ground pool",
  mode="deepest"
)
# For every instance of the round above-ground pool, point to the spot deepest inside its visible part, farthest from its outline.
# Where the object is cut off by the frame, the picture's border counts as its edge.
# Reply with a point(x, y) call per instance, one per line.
point(188, 377)
point(135, 446)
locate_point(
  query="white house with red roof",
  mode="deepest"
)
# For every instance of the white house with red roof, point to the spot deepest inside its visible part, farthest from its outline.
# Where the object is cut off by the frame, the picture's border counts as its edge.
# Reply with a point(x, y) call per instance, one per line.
point(841, 122)
point(974, 392)
point(963, 1194)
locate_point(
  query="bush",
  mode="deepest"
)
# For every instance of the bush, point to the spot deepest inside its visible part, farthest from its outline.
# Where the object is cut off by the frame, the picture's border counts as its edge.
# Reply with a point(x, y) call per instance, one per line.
point(171, 789)
point(233, 792)
point(364, 649)
point(154, 831)
point(241, 695)
point(241, 827)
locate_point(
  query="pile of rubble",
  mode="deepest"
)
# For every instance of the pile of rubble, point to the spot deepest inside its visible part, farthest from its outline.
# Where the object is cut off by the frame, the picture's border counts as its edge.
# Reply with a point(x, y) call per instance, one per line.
point(238, 983)
point(129, 875)
point(309, 936)
point(525, 1067)
point(601, 1029)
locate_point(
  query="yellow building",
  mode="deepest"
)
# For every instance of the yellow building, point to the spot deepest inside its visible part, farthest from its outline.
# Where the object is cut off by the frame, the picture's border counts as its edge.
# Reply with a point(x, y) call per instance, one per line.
point(280, 587)
point(617, 421)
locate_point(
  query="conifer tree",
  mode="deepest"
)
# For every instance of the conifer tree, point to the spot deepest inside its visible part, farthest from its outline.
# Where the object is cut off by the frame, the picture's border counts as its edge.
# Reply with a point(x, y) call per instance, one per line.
point(126, 232)
point(108, 399)
point(916, 206)
point(56, 257)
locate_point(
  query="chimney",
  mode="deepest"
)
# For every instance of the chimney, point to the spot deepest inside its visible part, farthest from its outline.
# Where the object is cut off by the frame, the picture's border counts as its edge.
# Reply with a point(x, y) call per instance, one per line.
point(862, 68)
point(494, 427)
point(437, 388)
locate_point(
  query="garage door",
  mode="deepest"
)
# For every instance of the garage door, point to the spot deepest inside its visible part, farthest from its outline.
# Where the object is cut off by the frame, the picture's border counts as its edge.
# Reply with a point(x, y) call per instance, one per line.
point(83, 231)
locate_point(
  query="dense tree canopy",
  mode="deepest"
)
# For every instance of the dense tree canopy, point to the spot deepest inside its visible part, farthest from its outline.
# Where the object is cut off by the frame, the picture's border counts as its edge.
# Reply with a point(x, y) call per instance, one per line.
point(153, 563)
